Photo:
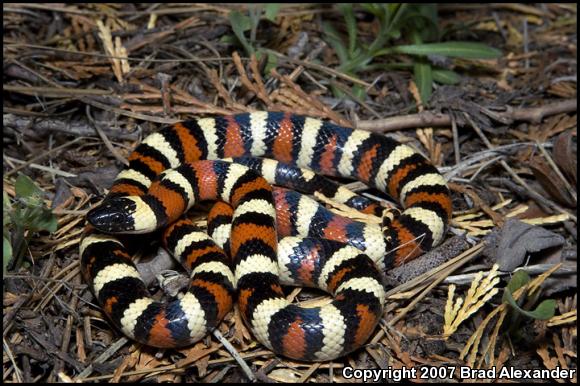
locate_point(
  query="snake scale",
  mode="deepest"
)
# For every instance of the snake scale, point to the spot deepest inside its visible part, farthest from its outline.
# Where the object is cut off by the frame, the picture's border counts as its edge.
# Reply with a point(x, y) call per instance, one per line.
point(274, 236)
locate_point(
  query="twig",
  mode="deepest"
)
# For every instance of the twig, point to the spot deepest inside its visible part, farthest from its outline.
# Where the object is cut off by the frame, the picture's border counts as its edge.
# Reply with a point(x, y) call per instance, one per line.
point(455, 139)
point(305, 375)
point(469, 191)
point(48, 169)
point(427, 118)
point(40, 156)
point(348, 92)
point(66, 334)
point(533, 194)
point(319, 67)
point(262, 373)
point(102, 358)
point(420, 297)
point(55, 92)
point(525, 9)
point(223, 93)
point(33, 126)
point(165, 79)
point(130, 114)
point(483, 166)
point(36, 73)
point(19, 46)
point(105, 140)
point(172, 368)
point(531, 269)
point(451, 172)
point(10, 355)
point(234, 353)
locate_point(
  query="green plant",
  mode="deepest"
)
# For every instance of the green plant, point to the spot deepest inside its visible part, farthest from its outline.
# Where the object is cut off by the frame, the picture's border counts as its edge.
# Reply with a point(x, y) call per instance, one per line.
point(523, 307)
point(243, 23)
point(417, 22)
point(23, 216)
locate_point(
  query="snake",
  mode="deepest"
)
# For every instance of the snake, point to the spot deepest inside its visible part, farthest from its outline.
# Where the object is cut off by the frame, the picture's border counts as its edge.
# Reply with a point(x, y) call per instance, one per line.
point(263, 236)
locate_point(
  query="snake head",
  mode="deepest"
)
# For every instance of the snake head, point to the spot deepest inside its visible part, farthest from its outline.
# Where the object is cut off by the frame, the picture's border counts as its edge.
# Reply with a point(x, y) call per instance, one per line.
point(114, 215)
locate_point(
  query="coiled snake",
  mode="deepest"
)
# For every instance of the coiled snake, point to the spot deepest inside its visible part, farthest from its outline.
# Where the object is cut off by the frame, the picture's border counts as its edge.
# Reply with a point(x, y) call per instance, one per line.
point(181, 164)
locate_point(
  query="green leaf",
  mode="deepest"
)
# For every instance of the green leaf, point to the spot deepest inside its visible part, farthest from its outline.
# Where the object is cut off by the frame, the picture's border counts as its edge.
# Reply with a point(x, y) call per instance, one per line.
point(545, 310)
point(6, 205)
point(374, 8)
point(390, 25)
point(423, 20)
point(393, 8)
point(334, 39)
point(359, 92)
point(356, 64)
point(6, 212)
point(429, 11)
point(396, 14)
point(7, 252)
point(229, 39)
point(337, 92)
point(44, 221)
point(424, 80)
point(26, 188)
point(390, 66)
point(445, 76)
point(271, 11)
point(271, 63)
point(241, 23)
point(519, 279)
point(466, 50)
point(348, 14)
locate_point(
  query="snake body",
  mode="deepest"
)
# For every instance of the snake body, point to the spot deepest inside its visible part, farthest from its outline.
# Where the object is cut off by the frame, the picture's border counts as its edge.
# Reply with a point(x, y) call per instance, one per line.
point(182, 164)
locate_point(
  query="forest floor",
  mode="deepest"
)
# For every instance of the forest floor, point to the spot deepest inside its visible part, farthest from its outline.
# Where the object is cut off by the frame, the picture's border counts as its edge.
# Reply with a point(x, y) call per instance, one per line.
point(85, 83)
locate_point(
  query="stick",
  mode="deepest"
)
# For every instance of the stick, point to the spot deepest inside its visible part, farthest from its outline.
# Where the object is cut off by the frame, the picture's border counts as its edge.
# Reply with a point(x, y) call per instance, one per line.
point(427, 118)
point(40, 156)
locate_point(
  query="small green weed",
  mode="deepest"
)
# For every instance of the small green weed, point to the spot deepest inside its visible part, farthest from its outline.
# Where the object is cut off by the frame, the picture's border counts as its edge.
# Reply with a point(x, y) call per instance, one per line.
point(543, 311)
point(416, 22)
point(23, 216)
point(243, 23)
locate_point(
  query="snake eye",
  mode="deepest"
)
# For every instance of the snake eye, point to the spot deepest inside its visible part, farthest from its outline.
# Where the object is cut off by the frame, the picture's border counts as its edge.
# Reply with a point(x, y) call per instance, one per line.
point(113, 215)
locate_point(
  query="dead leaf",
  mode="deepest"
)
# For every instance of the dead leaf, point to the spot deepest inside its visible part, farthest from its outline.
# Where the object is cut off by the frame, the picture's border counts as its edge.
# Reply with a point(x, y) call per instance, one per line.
point(128, 363)
point(10, 299)
point(284, 375)
point(516, 240)
point(551, 182)
point(565, 156)
point(195, 354)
